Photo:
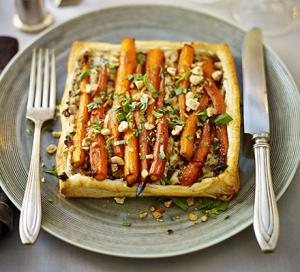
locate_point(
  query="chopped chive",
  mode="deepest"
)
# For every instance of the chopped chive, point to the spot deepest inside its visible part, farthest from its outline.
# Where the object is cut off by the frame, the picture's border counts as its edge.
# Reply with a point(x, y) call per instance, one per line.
point(162, 154)
point(180, 90)
point(223, 119)
point(190, 137)
point(157, 114)
point(150, 87)
point(185, 76)
point(121, 117)
point(203, 115)
point(83, 75)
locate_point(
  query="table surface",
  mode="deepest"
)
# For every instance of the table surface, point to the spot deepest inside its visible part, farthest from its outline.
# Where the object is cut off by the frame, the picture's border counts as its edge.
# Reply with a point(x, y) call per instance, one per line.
point(239, 253)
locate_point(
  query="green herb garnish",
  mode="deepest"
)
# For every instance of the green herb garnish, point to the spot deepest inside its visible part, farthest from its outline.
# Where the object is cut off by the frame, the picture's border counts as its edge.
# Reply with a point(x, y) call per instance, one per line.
point(29, 132)
point(202, 115)
point(212, 207)
point(223, 119)
point(83, 75)
point(51, 171)
point(157, 114)
point(180, 203)
point(126, 223)
point(190, 137)
point(141, 58)
point(180, 90)
point(185, 76)
point(150, 87)
point(162, 154)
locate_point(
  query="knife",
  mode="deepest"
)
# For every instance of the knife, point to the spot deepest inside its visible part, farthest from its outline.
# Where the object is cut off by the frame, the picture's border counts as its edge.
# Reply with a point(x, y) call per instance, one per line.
point(256, 123)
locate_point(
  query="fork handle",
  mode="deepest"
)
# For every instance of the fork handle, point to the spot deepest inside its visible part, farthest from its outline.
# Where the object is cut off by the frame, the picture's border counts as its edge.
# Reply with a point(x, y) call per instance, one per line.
point(31, 212)
point(266, 218)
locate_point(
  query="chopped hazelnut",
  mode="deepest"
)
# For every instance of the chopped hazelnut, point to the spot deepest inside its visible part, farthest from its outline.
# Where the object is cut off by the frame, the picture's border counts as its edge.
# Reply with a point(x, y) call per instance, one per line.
point(196, 71)
point(217, 75)
point(158, 213)
point(114, 167)
point(204, 218)
point(105, 131)
point(123, 126)
point(195, 80)
point(143, 215)
point(149, 157)
point(211, 111)
point(51, 149)
point(176, 130)
point(168, 203)
point(119, 200)
point(218, 65)
point(139, 84)
point(171, 71)
point(193, 217)
point(117, 160)
point(192, 104)
point(145, 173)
point(56, 134)
point(190, 201)
point(149, 126)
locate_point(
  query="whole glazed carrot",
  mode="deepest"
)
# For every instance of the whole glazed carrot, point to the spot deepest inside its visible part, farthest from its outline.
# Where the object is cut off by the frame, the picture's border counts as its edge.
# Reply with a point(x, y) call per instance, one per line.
point(127, 64)
point(160, 152)
point(187, 138)
point(82, 116)
point(154, 64)
point(192, 171)
point(219, 104)
point(98, 152)
point(184, 67)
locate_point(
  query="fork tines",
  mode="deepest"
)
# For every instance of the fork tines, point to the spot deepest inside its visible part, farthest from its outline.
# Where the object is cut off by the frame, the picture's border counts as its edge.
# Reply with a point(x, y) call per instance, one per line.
point(42, 67)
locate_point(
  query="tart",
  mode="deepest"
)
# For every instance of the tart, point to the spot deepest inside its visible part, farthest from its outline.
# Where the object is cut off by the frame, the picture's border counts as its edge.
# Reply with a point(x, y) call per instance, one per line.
point(149, 118)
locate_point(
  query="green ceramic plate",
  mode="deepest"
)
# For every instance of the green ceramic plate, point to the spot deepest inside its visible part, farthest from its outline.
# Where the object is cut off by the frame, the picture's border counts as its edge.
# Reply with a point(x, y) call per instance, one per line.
point(95, 224)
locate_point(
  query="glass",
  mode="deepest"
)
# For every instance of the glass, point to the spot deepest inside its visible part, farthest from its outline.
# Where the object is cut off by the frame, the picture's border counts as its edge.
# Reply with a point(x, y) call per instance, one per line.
point(273, 16)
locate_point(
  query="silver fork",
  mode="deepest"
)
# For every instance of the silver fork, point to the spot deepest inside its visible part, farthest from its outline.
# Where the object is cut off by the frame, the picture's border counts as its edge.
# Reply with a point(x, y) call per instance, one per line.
point(40, 108)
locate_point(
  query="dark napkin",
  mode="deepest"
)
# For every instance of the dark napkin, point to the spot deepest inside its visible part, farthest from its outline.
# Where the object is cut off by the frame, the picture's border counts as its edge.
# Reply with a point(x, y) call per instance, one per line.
point(8, 48)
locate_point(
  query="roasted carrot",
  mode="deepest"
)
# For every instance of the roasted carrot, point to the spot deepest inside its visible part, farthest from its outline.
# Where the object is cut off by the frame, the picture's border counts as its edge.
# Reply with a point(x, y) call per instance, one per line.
point(127, 63)
point(221, 133)
point(131, 158)
point(216, 97)
point(192, 171)
point(98, 152)
point(161, 142)
point(82, 116)
point(219, 104)
point(184, 66)
point(154, 63)
point(187, 138)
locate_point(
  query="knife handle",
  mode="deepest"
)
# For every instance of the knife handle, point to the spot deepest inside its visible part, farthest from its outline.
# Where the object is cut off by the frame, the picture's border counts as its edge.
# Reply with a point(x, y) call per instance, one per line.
point(266, 218)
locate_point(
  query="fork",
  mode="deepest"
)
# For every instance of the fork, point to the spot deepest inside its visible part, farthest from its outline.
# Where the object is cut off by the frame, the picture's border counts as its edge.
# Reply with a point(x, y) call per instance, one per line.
point(40, 108)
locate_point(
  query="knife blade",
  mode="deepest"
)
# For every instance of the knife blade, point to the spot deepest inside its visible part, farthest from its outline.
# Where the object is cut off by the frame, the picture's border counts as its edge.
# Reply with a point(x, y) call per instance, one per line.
point(256, 122)
point(256, 111)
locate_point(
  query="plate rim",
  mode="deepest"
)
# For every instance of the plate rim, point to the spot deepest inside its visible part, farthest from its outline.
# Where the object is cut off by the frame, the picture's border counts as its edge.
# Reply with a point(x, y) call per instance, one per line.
point(157, 5)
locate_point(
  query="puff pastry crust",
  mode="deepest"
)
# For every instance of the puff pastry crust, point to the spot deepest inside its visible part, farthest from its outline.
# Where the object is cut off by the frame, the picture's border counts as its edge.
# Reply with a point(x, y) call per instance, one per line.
point(224, 186)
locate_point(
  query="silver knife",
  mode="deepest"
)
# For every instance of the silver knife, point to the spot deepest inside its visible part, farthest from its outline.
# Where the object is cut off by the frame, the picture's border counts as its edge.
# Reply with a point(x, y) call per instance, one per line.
point(256, 123)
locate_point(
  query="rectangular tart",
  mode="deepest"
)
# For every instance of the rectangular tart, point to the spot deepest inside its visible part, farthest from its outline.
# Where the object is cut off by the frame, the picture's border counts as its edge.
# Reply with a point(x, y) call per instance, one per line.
point(149, 118)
